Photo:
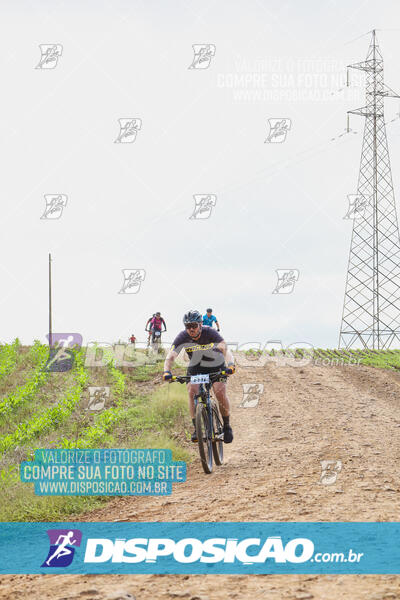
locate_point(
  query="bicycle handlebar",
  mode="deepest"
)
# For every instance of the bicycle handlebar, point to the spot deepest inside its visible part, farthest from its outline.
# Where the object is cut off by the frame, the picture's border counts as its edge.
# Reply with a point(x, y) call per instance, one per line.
point(186, 378)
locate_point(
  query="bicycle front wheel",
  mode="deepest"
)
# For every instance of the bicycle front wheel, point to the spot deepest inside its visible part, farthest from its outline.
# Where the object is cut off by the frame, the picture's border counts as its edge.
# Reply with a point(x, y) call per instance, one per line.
point(218, 435)
point(204, 438)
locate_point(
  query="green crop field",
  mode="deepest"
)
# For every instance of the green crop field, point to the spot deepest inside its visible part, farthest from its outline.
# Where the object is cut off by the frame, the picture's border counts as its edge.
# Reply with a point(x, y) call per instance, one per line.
point(41, 409)
point(385, 359)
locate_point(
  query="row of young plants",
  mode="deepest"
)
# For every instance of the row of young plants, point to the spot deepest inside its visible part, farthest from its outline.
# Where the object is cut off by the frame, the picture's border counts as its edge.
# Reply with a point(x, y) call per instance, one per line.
point(106, 420)
point(140, 420)
point(364, 356)
point(52, 417)
point(388, 359)
point(37, 358)
point(9, 354)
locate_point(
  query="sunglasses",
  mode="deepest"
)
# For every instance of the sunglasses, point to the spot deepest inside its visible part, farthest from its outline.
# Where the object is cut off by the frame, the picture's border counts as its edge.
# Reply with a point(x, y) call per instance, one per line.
point(192, 326)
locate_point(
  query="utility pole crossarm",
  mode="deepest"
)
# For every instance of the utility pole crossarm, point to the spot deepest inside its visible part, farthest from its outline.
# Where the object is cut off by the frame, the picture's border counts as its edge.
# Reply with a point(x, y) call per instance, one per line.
point(368, 65)
point(388, 92)
point(364, 112)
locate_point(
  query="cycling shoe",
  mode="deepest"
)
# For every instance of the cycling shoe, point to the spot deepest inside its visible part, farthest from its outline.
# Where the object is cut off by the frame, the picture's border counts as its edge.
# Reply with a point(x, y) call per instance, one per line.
point(228, 434)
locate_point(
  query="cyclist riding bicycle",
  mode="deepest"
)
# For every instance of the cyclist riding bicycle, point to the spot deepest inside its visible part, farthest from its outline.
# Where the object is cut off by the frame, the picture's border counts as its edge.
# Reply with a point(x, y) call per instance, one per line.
point(207, 352)
point(156, 323)
point(209, 319)
point(146, 328)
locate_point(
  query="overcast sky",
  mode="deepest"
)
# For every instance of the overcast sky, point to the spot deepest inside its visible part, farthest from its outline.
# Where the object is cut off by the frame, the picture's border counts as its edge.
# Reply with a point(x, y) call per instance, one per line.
point(203, 131)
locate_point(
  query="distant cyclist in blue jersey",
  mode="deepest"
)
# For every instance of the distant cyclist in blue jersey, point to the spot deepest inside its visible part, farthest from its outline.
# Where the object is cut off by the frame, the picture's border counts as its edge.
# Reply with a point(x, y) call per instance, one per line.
point(209, 319)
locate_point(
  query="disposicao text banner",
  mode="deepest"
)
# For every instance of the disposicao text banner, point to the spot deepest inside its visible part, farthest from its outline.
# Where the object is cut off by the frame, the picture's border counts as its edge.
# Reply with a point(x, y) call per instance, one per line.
point(209, 548)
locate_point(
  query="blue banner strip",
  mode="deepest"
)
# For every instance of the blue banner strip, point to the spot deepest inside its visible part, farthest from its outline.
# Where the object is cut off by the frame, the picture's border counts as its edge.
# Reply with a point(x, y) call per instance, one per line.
point(213, 548)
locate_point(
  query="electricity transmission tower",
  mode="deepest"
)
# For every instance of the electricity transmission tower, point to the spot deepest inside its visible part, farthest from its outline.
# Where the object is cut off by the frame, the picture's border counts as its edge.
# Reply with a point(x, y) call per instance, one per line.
point(371, 309)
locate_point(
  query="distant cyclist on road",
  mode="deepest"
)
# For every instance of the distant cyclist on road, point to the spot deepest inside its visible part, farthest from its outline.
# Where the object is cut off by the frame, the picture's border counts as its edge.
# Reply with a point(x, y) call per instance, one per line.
point(207, 352)
point(156, 324)
point(147, 327)
point(209, 319)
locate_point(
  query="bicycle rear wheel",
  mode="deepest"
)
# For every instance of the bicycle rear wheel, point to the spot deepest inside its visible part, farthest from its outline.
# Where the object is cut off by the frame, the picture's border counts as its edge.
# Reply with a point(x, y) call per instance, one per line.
point(218, 431)
point(204, 438)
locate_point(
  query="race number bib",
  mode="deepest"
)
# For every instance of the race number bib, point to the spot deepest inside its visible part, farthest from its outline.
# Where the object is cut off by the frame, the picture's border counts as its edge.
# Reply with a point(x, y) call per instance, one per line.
point(200, 379)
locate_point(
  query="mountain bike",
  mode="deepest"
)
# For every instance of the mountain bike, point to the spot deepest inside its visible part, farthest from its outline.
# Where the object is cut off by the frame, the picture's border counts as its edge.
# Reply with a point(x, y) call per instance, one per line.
point(209, 426)
point(155, 339)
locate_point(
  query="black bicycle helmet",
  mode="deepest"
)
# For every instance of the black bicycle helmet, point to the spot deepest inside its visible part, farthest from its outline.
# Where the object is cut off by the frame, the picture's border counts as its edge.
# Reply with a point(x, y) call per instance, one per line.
point(192, 316)
point(209, 310)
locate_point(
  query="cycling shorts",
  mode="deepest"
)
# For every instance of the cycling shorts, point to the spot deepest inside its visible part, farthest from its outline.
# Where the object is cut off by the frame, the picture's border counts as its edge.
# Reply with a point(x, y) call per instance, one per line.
point(199, 370)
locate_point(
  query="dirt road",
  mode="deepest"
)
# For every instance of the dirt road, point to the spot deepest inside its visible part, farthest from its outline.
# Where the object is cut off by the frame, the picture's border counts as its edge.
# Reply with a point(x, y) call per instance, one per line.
point(272, 472)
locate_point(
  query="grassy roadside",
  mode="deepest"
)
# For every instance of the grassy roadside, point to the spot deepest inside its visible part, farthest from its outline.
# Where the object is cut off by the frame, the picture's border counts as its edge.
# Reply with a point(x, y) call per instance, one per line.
point(143, 414)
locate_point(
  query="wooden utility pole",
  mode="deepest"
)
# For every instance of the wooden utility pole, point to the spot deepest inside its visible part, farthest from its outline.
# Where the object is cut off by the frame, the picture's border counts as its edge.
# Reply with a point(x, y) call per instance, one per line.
point(50, 313)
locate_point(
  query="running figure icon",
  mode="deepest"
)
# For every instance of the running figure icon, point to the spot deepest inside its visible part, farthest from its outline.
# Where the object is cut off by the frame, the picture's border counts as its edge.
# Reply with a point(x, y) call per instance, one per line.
point(62, 548)
point(63, 545)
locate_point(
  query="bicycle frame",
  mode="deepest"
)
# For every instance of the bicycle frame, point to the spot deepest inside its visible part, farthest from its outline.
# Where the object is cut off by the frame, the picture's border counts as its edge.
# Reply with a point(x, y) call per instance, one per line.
point(210, 436)
point(204, 395)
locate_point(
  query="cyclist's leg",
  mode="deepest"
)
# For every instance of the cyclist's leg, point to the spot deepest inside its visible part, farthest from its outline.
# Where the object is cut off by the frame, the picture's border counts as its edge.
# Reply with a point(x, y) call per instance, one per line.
point(219, 389)
point(193, 389)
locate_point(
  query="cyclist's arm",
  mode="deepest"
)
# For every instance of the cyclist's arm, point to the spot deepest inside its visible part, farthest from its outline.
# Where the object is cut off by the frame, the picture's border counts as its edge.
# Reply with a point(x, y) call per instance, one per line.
point(226, 352)
point(171, 356)
point(165, 326)
point(217, 324)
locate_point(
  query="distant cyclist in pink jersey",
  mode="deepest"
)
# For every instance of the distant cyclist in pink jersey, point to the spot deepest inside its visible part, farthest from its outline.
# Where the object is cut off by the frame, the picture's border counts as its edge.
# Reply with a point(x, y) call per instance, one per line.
point(155, 324)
